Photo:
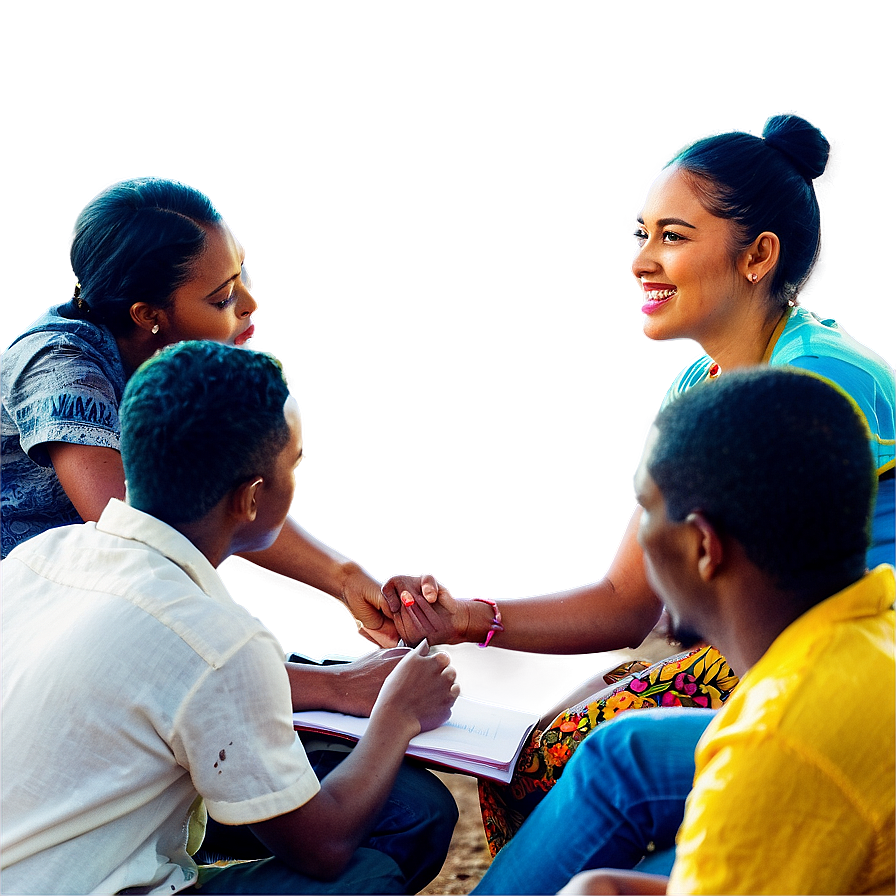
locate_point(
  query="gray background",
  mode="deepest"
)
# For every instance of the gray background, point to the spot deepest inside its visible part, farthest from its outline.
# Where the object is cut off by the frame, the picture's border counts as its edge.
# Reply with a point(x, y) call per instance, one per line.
point(437, 200)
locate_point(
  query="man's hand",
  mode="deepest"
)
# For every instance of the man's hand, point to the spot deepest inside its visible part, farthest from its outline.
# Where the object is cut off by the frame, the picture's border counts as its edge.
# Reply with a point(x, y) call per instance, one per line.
point(419, 694)
point(367, 603)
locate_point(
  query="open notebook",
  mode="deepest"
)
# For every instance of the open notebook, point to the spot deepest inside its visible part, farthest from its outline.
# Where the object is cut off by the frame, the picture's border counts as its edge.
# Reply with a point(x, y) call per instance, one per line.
point(480, 738)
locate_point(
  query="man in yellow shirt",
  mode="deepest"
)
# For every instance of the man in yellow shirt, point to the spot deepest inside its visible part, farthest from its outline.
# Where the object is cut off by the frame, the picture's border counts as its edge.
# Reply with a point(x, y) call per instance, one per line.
point(794, 787)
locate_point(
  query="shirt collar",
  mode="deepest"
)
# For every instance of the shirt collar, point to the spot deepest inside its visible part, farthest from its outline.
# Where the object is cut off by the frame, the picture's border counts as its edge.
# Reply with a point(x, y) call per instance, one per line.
point(124, 521)
point(871, 595)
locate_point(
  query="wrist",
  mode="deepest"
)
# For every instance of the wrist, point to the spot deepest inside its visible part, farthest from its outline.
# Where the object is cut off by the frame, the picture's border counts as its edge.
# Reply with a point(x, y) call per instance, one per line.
point(487, 621)
point(348, 573)
point(395, 723)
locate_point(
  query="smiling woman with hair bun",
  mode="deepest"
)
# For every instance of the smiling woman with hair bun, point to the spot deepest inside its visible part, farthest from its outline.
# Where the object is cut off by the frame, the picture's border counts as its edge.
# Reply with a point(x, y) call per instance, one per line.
point(727, 237)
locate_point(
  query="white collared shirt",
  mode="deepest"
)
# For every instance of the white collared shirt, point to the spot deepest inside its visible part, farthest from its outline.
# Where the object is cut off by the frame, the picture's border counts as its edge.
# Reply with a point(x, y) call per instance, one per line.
point(131, 683)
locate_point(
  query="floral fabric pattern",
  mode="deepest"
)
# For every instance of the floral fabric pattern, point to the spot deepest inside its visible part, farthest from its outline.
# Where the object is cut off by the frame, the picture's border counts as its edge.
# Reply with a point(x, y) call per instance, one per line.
point(699, 677)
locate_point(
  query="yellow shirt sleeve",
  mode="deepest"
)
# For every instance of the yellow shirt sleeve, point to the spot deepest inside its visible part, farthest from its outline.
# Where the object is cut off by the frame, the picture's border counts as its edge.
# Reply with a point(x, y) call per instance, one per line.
point(767, 817)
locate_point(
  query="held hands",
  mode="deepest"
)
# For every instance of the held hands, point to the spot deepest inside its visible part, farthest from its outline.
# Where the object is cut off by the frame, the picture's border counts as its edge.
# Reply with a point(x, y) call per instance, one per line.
point(422, 608)
point(419, 694)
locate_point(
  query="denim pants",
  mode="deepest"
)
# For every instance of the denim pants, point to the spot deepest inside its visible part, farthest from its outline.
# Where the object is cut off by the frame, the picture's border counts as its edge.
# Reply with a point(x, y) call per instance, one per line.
point(404, 852)
point(624, 788)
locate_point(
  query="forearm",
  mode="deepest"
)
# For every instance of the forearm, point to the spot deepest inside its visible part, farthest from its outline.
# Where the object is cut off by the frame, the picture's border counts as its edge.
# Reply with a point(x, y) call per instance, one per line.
point(314, 687)
point(320, 838)
point(589, 619)
point(618, 611)
point(298, 555)
point(357, 789)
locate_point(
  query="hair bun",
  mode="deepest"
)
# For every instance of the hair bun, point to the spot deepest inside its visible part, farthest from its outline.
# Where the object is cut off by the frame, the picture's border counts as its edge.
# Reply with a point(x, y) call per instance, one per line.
point(803, 144)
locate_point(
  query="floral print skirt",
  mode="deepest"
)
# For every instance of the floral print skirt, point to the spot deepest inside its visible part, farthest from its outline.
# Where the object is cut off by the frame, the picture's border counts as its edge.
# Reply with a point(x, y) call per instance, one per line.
point(699, 677)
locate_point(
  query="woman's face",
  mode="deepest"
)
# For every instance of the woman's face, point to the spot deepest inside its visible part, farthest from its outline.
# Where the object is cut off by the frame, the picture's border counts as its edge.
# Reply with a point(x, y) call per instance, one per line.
point(215, 303)
point(685, 263)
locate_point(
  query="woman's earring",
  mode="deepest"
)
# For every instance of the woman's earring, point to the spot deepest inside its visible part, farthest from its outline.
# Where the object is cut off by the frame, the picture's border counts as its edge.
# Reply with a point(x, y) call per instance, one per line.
point(155, 330)
point(754, 278)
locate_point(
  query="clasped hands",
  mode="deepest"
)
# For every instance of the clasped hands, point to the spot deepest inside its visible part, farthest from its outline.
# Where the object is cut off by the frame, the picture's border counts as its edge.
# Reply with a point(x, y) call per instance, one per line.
point(408, 607)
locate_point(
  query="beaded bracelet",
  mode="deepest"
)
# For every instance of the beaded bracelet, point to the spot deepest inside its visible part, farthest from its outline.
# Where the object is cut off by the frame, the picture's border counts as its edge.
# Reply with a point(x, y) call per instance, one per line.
point(496, 622)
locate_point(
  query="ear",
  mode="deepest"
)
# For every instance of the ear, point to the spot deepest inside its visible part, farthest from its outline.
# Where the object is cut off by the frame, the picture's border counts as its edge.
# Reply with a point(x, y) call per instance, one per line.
point(758, 260)
point(710, 552)
point(146, 316)
point(243, 502)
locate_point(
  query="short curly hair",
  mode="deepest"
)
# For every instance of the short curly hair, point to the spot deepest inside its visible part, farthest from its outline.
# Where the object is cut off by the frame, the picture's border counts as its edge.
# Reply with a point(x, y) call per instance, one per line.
point(197, 419)
point(779, 460)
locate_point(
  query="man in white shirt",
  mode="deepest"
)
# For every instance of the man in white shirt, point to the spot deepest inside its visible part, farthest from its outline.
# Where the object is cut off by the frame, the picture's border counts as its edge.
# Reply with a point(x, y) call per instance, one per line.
point(137, 695)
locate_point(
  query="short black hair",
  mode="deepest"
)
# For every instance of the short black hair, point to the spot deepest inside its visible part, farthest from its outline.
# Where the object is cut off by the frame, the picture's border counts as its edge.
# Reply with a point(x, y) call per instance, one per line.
point(198, 419)
point(777, 459)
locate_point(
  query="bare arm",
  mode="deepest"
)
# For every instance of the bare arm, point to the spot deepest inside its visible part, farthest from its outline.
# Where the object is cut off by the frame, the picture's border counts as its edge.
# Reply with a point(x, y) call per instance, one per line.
point(618, 611)
point(298, 555)
point(320, 837)
point(92, 475)
point(351, 688)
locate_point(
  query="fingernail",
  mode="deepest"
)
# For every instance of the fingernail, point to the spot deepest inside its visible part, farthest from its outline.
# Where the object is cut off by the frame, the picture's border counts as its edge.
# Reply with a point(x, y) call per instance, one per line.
point(406, 599)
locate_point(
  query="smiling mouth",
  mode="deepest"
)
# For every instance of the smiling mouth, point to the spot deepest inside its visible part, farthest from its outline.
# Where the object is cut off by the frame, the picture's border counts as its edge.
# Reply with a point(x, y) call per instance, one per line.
point(657, 298)
point(245, 336)
point(658, 295)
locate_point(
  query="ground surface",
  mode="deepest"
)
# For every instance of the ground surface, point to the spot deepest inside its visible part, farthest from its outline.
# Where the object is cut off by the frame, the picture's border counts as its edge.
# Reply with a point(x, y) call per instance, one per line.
point(468, 857)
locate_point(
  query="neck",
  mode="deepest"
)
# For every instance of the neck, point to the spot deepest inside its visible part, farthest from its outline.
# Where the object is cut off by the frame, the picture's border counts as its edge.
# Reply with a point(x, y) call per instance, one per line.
point(213, 534)
point(135, 348)
point(744, 342)
point(744, 637)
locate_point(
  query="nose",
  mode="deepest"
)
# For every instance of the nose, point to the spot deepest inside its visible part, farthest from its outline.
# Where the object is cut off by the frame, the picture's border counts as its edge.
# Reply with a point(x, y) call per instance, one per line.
point(644, 263)
point(247, 303)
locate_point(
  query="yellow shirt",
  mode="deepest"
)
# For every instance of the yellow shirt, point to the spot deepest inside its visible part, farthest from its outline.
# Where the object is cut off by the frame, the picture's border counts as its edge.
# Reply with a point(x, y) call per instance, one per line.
point(794, 788)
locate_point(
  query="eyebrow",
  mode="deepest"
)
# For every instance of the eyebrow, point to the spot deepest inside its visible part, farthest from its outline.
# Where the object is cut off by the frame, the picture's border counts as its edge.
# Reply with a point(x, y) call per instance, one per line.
point(225, 283)
point(662, 222)
point(229, 279)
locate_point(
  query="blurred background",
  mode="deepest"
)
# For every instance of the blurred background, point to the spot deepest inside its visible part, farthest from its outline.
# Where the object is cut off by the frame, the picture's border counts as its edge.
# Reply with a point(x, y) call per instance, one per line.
point(437, 203)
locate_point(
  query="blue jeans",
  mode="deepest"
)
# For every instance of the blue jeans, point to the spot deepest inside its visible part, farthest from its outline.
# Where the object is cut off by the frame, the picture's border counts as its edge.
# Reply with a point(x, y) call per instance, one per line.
point(623, 788)
point(404, 852)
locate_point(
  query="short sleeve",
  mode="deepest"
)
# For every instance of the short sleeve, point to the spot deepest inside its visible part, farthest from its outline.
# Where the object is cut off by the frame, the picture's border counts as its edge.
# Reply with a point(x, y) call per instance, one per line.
point(56, 392)
point(763, 818)
point(236, 738)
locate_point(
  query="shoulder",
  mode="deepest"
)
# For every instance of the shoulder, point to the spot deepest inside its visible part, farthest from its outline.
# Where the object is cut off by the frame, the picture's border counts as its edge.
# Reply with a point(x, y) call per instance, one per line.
point(69, 343)
point(810, 703)
point(164, 600)
point(807, 336)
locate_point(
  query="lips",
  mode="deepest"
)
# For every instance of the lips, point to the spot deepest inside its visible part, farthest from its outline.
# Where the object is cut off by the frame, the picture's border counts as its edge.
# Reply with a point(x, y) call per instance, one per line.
point(245, 336)
point(656, 294)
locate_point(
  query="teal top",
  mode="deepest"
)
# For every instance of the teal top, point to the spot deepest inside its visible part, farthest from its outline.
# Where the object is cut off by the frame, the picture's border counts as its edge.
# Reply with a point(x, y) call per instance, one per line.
point(823, 347)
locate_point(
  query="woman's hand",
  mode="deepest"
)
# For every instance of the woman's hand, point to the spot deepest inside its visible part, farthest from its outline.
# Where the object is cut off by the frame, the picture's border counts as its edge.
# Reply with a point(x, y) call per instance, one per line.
point(425, 609)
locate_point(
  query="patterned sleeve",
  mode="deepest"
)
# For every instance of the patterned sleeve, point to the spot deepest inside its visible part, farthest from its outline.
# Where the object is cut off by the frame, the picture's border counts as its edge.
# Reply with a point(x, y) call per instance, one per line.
point(57, 391)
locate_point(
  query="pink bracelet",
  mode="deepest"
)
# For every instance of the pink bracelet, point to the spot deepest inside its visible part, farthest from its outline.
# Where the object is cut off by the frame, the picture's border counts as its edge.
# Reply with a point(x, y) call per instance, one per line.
point(496, 622)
